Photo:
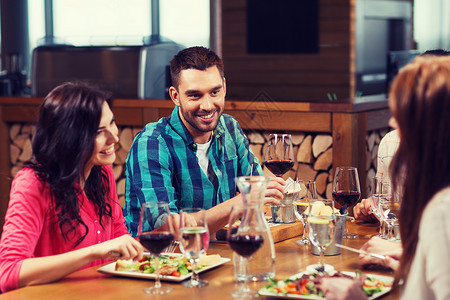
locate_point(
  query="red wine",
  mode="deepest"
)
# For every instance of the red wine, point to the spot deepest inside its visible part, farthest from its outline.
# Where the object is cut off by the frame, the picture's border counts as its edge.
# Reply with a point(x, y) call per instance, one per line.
point(279, 167)
point(245, 244)
point(155, 242)
point(346, 197)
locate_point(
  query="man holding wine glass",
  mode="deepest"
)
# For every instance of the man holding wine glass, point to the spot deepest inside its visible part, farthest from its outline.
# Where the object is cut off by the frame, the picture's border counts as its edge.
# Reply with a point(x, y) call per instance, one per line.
point(191, 158)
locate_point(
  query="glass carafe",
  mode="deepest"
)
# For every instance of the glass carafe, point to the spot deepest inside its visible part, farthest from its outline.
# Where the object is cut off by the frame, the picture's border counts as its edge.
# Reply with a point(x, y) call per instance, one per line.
point(261, 265)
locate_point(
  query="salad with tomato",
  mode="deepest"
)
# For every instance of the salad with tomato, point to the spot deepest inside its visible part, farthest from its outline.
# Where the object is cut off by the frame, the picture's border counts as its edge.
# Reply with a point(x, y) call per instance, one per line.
point(168, 265)
point(307, 285)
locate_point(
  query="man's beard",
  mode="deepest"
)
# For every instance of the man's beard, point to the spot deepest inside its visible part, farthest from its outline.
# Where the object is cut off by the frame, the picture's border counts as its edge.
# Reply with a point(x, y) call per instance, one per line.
point(191, 119)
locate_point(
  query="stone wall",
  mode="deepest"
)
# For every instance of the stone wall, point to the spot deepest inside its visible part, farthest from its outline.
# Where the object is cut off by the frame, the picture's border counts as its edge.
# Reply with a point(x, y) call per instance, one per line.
point(313, 153)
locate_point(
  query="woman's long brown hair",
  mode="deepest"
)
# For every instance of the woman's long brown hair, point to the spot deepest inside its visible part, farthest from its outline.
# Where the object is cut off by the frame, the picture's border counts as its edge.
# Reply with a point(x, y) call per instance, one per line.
point(420, 103)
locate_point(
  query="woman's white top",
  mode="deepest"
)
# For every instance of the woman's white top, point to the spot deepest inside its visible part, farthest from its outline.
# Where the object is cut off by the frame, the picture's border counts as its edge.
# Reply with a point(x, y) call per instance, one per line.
point(429, 277)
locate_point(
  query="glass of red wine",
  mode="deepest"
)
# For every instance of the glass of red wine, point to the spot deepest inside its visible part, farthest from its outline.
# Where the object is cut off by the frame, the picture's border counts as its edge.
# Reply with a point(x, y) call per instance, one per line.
point(245, 240)
point(279, 157)
point(155, 233)
point(346, 191)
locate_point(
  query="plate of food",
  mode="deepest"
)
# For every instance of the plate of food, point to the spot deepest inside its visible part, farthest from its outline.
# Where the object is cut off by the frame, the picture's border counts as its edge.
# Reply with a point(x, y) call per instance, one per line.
point(303, 285)
point(173, 266)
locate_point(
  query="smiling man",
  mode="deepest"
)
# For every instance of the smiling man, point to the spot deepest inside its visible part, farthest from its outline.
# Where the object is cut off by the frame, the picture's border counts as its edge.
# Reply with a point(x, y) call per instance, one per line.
point(191, 158)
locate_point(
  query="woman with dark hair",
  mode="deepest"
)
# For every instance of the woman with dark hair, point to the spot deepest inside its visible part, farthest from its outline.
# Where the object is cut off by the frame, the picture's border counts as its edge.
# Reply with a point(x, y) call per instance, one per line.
point(420, 103)
point(63, 211)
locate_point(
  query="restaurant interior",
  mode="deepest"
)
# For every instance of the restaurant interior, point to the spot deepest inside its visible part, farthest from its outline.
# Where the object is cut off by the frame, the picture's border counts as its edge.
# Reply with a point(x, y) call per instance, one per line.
point(319, 70)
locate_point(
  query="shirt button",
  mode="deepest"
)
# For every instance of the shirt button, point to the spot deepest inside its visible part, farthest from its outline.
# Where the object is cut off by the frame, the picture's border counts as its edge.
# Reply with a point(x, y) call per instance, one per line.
point(98, 231)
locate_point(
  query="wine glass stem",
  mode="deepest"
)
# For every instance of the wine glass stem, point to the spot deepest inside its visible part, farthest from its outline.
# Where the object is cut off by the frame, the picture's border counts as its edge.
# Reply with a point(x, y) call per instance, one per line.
point(195, 278)
point(157, 281)
point(382, 228)
point(245, 287)
point(305, 232)
point(322, 259)
point(390, 227)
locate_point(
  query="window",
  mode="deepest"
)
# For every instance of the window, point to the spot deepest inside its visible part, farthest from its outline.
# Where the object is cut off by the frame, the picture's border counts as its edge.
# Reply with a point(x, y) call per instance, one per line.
point(186, 22)
point(120, 22)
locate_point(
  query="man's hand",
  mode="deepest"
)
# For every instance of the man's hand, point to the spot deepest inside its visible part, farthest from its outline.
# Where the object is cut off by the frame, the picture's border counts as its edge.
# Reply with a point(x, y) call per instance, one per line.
point(363, 211)
point(275, 191)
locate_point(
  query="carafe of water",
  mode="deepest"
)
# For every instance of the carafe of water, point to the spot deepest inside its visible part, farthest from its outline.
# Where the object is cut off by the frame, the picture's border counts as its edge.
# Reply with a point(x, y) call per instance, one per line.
point(261, 265)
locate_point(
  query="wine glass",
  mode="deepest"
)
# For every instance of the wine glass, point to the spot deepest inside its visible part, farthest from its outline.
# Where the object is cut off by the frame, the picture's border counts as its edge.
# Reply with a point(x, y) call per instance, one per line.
point(346, 191)
point(321, 226)
point(155, 215)
point(194, 240)
point(380, 187)
point(245, 241)
point(388, 206)
point(307, 191)
point(279, 157)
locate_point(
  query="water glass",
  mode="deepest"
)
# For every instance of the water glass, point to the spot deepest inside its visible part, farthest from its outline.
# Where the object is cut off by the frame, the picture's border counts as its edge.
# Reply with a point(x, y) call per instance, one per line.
point(194, 241)
point(307, 191)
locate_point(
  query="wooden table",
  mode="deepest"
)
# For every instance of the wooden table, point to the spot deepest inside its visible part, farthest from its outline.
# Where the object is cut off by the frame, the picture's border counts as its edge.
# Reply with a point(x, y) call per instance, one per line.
point(290, 259)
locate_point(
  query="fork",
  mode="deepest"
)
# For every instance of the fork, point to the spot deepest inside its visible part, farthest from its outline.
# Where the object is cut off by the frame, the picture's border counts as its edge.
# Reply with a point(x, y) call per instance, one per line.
point(172, 247)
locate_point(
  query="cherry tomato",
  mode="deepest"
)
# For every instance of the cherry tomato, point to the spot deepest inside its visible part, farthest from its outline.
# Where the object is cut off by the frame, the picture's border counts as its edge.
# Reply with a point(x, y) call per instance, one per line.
point(176, 274)
point(142, 267)
point(145, 258)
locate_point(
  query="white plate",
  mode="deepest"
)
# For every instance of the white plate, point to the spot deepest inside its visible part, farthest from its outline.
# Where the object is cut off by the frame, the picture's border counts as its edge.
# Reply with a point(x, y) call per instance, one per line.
point(111, 269)
point(386, 279)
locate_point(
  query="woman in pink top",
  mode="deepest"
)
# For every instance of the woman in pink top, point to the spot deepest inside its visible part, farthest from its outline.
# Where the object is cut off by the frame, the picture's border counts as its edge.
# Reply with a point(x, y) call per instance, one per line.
point(63, 211)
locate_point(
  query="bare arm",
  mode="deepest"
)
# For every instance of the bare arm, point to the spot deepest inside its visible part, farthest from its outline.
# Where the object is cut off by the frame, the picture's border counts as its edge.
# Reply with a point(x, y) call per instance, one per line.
point(51, 268)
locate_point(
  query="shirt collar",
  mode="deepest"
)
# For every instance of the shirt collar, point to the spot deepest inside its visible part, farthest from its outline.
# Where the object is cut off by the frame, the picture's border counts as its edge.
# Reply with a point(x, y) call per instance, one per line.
point(178, 126)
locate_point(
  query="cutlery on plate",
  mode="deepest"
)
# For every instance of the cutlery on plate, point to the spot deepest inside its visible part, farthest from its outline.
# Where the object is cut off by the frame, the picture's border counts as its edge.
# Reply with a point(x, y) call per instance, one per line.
point(379, 256)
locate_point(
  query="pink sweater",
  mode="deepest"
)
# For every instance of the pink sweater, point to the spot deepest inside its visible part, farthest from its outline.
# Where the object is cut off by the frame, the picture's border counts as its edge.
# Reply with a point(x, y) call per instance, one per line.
point(30, 230)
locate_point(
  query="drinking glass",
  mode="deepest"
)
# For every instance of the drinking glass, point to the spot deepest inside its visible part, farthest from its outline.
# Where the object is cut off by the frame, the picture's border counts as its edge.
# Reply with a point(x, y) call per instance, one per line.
point(388, 206)
point(194, 240)
point(307, 191)
point(279, 157)
point(245, 241)
point(346, 191)
point(321, 226)
point(380, 187)
point(155, 215)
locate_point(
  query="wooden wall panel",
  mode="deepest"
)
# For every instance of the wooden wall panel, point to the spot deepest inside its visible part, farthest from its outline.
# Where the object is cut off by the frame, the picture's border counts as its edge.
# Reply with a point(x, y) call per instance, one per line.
point(290, 77)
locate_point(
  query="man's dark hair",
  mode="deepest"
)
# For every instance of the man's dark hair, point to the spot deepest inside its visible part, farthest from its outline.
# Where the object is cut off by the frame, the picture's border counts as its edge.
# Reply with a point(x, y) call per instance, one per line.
point(199, 58)
point(436, 52)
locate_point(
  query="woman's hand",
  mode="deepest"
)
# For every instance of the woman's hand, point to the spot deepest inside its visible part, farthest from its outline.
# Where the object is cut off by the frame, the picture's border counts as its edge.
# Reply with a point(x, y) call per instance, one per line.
point(393, 251)
point(363, 211)
point(342, 288)
point(123, 247)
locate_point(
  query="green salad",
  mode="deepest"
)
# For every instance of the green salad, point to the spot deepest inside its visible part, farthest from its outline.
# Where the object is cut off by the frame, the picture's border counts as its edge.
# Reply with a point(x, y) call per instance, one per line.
point(168, 264)
point(307, 285)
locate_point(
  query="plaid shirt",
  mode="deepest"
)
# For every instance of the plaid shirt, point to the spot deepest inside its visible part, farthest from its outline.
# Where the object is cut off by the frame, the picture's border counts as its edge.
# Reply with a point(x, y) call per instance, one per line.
point(162, 166)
